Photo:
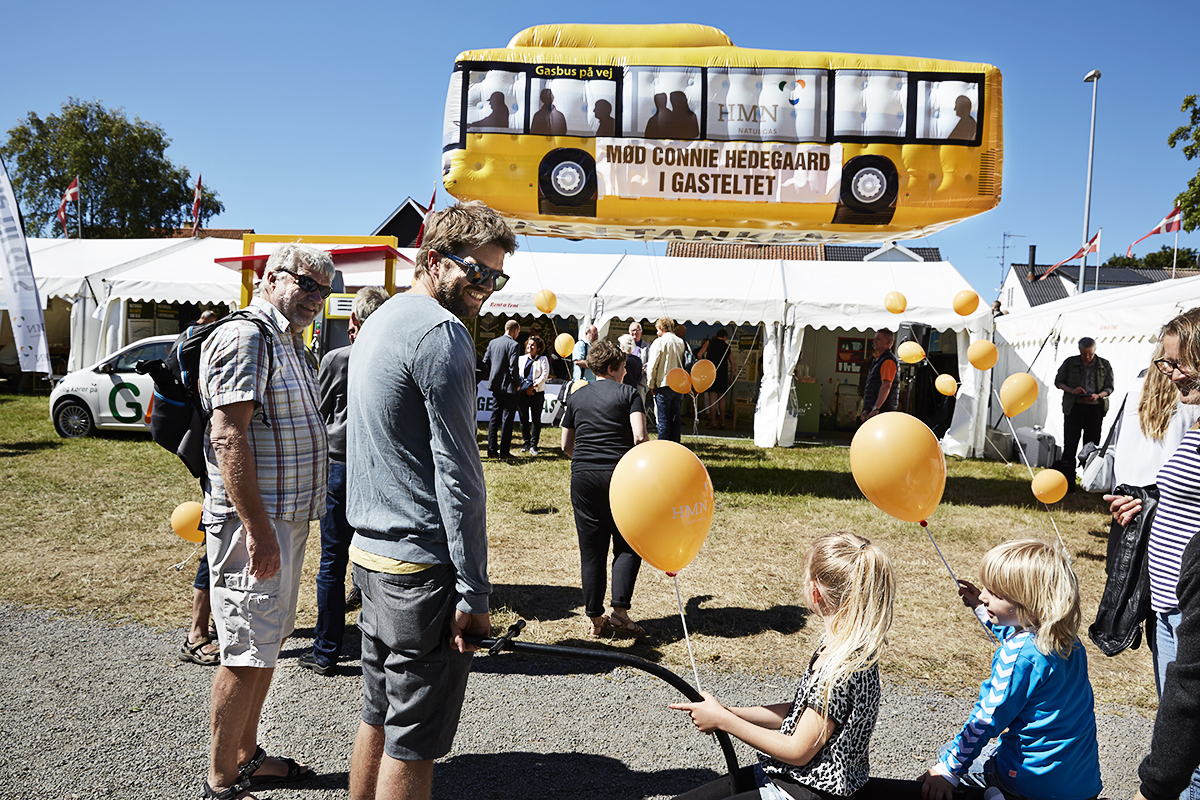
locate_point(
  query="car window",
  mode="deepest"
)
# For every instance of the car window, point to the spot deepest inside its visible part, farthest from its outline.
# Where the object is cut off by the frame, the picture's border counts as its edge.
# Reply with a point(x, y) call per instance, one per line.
point(129, 359)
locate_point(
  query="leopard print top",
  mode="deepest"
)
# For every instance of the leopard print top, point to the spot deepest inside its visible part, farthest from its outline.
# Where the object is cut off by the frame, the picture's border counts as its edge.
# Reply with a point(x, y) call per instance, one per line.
point(841, 767)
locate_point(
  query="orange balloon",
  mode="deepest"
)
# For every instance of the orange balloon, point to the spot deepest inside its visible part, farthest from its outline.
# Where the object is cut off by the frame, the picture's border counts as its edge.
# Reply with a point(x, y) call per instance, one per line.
point(965, 303)
point(185, 520)
point(910, 352)
point(982, 354)
point(946, 385)
point(564, 345)
point(1049, 486)
point(662, 502)
point(545, 302)
point(897, 463)
point(679, 380)
point(895, 302)
point(577, 385)
point(703, 375)
point(1017, 393)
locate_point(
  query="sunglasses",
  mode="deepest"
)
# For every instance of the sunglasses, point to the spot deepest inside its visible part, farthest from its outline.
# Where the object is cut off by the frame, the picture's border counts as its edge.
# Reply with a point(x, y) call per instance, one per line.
point(478, 274)
point(307, 284)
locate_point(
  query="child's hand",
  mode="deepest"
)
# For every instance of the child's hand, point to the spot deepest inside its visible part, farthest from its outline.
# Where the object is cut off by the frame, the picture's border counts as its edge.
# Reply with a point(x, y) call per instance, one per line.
point(706, 715)
point(969, 593)
point(936, 787)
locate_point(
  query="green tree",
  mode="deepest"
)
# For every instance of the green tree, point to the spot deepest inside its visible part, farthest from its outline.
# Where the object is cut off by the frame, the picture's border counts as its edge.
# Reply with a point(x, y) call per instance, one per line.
point(1165, 257)
point(1123, 261)
point(1189, 136)
point(128, 186)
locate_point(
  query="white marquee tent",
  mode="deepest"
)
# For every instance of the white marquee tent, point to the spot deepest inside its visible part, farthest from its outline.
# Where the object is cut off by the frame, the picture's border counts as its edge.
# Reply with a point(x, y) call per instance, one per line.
point(1124, 322)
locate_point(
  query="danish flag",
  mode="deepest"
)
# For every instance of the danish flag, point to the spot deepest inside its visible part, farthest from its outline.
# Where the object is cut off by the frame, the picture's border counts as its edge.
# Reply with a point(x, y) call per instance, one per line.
point(1093, 246)
point(72, 193)
point(196, 207)
point(1170, 224)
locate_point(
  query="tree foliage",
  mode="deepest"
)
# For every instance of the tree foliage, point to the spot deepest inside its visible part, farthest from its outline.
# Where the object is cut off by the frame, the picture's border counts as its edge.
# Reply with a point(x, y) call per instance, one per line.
point(1163, 259)
point(1189, 136)
point(128, 186)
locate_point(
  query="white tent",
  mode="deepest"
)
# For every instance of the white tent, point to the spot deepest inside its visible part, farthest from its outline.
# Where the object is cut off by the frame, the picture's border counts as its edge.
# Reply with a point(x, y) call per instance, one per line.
point(1124, 322)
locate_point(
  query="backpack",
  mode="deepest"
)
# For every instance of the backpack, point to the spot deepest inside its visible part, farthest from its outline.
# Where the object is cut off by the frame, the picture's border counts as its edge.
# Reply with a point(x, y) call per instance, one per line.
point(177, 418)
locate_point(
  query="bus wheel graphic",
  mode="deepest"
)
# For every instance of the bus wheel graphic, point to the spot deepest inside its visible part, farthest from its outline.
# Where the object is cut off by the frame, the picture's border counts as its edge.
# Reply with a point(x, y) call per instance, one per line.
point(567, 177)
point(869, 184)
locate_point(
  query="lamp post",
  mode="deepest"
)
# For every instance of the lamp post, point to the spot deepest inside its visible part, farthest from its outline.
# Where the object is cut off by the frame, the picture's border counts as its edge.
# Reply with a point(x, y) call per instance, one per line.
point(1093, 78)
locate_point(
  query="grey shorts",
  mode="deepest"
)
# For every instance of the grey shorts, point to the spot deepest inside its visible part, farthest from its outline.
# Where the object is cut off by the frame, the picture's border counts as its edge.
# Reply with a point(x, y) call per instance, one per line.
point(414, 681)
point(253, 616)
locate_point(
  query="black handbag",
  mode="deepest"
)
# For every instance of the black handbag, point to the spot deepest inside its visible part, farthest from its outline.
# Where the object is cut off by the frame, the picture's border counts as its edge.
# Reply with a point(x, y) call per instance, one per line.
point(1125, 603)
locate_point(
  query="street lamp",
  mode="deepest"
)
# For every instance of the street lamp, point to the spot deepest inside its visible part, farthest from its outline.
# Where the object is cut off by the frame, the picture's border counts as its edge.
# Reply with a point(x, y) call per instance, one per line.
point(1093, 78)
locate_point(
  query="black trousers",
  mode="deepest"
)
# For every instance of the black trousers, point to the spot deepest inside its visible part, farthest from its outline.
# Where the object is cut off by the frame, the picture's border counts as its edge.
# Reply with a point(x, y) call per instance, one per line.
point(595, 528)
point(502, 421)
point(530, 405)
point(1085, 419)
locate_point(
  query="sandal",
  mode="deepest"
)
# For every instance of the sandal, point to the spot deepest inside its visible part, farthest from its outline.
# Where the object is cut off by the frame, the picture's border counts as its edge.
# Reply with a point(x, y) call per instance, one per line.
point(295, 772)
point(598, 625)
point(232, 793)
point(193, 653)
point(625, 625)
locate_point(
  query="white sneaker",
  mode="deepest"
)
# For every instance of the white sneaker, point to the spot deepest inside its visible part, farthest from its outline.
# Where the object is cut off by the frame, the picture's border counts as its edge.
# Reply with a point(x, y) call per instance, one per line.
point(525, 449)
point(534, 452)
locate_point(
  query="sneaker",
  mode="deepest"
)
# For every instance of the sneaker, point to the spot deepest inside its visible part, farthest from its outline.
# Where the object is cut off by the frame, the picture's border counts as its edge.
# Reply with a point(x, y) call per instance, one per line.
point(354, 599)
point(525, 449)
point(309, 661)
point(533, 451)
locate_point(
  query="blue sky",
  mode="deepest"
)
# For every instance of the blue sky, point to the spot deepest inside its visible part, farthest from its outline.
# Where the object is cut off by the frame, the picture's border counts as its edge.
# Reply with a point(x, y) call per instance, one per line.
point(321, 118)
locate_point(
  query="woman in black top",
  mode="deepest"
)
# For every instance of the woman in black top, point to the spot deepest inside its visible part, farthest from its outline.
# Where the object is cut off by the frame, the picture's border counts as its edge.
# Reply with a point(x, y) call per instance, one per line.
point(602, 422)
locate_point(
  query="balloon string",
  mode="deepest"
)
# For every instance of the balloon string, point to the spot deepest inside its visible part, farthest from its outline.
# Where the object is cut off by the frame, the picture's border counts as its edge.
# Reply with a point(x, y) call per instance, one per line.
point(1025, 461)
point(686, 637)
point(929, 533)
point(179, 567)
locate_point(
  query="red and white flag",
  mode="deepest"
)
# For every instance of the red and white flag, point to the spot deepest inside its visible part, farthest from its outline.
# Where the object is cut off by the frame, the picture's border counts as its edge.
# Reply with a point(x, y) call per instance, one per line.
point(428, 211)
point(196, 207)
point(71, 194)
point(1093, 246)
point(1170, 224)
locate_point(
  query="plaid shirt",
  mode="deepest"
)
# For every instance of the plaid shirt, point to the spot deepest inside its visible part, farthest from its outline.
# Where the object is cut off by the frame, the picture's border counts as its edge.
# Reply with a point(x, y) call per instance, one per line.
point(291, 455)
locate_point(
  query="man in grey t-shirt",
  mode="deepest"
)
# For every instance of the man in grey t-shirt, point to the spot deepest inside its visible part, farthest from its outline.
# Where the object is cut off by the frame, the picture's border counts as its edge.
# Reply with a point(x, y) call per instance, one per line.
point(416, 500)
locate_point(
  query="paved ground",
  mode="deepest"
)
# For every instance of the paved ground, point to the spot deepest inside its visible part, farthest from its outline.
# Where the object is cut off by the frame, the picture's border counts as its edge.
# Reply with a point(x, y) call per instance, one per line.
point(89, 709)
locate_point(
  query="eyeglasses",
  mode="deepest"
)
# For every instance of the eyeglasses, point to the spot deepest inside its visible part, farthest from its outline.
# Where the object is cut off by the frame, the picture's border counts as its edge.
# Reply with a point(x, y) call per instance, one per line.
point(478, 274)
point(1166, 366)
point(307, 284)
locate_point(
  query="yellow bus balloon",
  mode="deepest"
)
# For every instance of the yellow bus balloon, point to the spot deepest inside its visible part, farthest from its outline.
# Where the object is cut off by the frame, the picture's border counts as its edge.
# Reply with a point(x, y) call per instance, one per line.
point(609, 131)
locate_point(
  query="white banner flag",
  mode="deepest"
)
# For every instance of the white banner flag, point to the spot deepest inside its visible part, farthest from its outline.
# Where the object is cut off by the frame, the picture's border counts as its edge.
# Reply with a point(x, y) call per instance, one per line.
point(24, 306)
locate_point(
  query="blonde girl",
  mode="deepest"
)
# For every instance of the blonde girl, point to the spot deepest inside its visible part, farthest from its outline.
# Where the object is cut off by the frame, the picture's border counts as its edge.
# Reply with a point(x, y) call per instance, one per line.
point(816, 746)
point(1038, 699)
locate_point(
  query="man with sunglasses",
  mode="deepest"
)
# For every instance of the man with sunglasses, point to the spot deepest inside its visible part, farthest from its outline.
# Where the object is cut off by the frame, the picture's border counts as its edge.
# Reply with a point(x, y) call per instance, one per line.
point(1086, 381)
point(267, 455)
point(417, 502)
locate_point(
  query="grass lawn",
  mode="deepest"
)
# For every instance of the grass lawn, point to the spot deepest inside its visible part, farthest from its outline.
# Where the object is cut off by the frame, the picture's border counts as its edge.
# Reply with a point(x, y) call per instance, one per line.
point(86, 528)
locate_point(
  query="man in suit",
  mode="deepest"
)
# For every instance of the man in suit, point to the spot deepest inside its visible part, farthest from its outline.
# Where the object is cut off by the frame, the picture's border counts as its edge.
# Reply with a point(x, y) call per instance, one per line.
point(504, 381)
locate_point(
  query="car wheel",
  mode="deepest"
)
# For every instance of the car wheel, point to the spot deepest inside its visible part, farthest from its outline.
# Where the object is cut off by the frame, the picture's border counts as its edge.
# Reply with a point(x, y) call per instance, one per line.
point(72, 420)
point(869, 184)
point(567, 177)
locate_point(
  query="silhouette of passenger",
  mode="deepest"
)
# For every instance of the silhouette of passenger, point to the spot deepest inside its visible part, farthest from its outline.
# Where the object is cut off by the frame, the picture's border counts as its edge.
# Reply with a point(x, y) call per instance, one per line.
point(499, 116)
point(548, 121)
point(606, 125)
point(659, 123)
point(965, 129)
point(686, 123)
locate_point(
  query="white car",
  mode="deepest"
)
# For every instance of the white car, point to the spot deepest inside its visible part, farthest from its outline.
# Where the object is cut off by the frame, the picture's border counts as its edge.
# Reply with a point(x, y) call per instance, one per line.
point(110, 395)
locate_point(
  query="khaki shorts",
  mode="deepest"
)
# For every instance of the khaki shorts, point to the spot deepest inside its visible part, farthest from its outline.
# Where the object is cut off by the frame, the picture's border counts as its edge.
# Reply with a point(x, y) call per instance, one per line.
point(253, 616)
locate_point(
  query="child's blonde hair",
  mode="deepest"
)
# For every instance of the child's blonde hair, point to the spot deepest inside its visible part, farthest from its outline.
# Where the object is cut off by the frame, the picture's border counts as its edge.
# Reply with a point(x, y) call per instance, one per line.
point(1037, 579)
point(857, 590)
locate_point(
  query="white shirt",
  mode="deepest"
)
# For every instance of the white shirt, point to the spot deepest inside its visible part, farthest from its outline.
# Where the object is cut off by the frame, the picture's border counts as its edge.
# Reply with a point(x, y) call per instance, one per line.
point(1137, 459)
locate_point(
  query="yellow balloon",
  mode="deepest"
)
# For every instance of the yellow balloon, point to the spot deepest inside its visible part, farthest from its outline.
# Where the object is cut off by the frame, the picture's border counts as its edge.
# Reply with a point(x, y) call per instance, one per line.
point(1049, 486)
point(965, 303)
point(703, 375)
point(564, 345)
point(1017, 393)
point(662, 502)
point(577, 385)
point(910, 352)
point(982, 354)
point(946, 385)
point(545, 301)
point(185, 520)
point(679, 380)
point(897, 463)
point(895, 302)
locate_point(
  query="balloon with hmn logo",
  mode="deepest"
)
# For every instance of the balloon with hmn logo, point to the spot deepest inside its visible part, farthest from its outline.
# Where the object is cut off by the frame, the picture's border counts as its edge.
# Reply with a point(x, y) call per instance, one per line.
point(662, 502)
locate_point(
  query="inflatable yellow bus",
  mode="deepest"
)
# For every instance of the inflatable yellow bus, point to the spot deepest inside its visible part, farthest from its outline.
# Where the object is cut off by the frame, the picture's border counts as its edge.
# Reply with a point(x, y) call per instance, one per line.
point(672, 132)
